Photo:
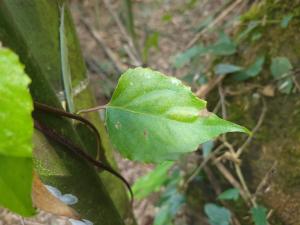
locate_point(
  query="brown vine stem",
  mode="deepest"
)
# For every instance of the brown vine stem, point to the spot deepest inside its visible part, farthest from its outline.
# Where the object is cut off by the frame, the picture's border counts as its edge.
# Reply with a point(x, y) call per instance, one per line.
point(93, 109)
point(58, 112)
point(53, 134)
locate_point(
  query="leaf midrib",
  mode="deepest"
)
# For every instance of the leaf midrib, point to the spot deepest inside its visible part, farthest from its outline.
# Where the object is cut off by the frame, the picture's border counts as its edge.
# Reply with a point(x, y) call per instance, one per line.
point(151, 115)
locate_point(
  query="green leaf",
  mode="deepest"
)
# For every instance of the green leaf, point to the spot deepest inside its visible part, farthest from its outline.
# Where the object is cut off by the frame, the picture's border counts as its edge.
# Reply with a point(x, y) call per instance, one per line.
point(251, 26)
point(171, 203)
point(152, 117)
point(22, 30)
point(185, 57)
point(259, 215)
point(222, 69)
point(285, 85)
point(223, 46)
point(286, 20)
point(280, 66)
point(66, 70)
point(152, 181)
point(217, 215)
point(256, 36)
point(151, 42)
point(167, 17)
point(16, 128)
point(252, 71)
point(230, 194)
point(204, 23)
point(163, 216)
point(207, 148)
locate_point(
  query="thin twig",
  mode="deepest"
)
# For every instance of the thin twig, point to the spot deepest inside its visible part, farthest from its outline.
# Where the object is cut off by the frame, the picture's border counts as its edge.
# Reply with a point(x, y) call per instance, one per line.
point(270, 213)
point(217, 188)
point(239, 173)
point(222, 100)
point(212, 179)
point(203, 163)
point(296, 83)
point(130, 54)
point(205, 89)
point(266, 180)
point(219, 18)
point(22, 220)
point(257, 126)
point(244, 90)
point(133, 51)
point(244, 185)
point(120, 67)
point(232, 152)
point(97, 108)
point(223, 170)
point(217, 107)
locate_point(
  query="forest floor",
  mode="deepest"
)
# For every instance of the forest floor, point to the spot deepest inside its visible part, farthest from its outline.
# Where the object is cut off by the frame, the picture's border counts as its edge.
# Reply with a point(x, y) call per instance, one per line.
point(163, 29)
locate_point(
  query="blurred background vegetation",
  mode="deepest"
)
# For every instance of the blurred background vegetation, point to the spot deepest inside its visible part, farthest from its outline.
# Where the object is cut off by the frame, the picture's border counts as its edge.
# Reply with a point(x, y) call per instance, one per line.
point(242, 56)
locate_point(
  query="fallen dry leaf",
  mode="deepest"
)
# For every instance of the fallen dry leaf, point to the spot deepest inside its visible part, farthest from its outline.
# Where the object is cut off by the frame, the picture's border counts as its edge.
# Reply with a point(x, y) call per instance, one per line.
point(45, 201)
point(268, 90)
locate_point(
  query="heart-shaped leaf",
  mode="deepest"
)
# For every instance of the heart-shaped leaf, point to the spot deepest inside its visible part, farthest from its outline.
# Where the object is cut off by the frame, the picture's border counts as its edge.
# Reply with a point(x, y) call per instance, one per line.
point(152, 117)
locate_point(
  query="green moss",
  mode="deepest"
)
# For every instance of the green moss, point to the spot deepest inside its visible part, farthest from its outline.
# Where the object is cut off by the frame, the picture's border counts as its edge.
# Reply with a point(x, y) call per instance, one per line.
point(277, 140)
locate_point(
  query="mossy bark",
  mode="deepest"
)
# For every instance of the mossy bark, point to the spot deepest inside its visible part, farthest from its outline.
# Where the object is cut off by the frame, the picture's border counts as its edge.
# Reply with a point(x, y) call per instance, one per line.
point(31, 29)
point(277, 142)
point(272, 160)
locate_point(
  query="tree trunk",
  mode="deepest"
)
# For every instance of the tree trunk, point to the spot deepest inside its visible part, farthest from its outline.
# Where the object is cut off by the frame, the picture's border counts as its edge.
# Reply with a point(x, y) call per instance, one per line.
point(31, 29)
point(271, 163)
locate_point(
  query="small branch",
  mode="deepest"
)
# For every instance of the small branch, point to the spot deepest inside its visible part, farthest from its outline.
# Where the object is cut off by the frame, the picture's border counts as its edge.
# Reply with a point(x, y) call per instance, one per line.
point(296, 82)
point(219, 18)
point(212, 179)
point(133, 51)
point(265, 182)
point(222, 100)
point(97, 108)
point(230, 178)
point(232, 154)
point(110, 54)
point(246, 89)
point(130, 54)
point(203, 163)
point(244, 185)
point(216, 186)
point(205, 89)
point(257, 126)
point(239, 172)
